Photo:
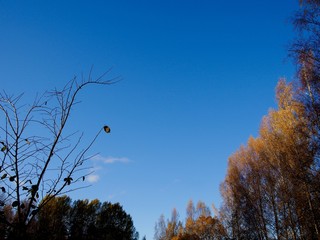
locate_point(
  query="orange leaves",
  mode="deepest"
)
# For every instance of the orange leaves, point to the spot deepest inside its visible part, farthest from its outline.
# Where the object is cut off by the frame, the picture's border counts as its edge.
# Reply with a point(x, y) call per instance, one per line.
point(271, 172)
point(199, 224)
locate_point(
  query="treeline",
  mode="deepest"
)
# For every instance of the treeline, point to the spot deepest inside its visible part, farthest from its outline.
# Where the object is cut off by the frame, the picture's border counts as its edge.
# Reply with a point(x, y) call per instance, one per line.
point(61, 218)
point(199, 224)
point(272, 186)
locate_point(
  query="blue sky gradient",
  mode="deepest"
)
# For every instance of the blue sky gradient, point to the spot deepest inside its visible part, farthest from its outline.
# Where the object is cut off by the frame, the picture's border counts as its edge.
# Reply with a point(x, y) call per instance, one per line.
point(197, 78)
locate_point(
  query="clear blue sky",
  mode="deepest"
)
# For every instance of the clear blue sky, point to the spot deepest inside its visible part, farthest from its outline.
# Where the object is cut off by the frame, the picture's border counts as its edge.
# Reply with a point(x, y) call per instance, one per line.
point(198, 76)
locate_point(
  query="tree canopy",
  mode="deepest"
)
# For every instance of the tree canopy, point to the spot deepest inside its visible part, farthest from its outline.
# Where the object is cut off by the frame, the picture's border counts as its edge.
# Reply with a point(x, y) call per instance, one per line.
point(272, 186)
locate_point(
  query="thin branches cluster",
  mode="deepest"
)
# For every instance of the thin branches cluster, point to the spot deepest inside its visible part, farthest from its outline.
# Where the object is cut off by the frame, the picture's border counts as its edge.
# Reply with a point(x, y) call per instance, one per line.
point(39, 156)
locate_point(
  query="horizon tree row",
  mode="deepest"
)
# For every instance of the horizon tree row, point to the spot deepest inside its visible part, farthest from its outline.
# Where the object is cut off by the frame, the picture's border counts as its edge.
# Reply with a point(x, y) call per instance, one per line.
point(199, 224)
point(81, 219)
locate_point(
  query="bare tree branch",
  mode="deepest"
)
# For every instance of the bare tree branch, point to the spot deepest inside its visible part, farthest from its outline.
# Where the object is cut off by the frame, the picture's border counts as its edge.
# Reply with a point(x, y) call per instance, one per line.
point(39, 158)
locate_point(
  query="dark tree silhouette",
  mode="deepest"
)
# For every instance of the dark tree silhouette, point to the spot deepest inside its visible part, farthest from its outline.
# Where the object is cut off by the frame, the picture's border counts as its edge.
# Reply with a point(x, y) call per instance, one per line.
point(83, 220)
point(114, 223)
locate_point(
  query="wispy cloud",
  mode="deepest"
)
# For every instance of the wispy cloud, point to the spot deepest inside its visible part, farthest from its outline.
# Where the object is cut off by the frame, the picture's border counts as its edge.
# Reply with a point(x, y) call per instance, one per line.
point(98, 161)
point(115, 159)
point(110, 160)
point(92, 178)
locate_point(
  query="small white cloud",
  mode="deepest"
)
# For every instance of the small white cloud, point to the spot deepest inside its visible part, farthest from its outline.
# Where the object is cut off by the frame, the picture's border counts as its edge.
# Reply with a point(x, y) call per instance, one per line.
point(97, 157)
point(110, 160)
point(93, 178)
point(115, 159)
